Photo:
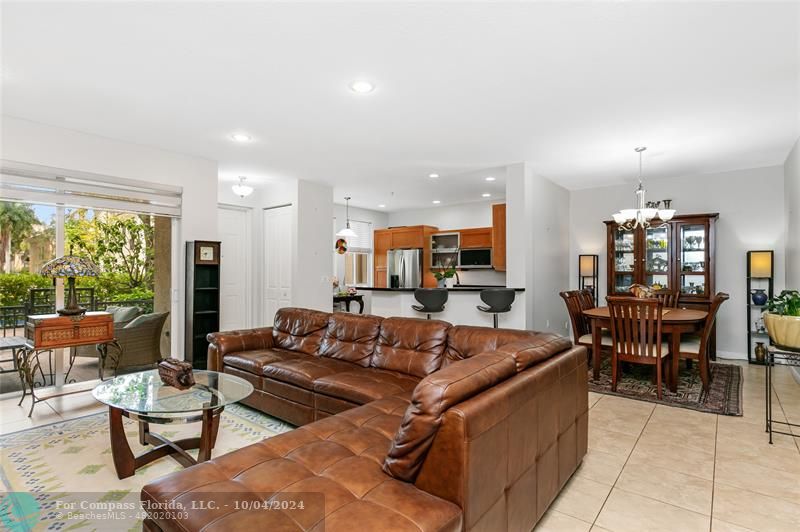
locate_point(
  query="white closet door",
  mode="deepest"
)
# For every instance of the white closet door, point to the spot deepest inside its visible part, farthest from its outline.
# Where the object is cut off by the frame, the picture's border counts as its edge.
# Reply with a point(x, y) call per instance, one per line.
point(235, 301)
point(278, 231)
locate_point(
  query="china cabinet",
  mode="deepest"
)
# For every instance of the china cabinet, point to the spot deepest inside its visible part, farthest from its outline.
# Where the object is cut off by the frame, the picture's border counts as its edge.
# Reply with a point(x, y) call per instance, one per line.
point(677, 255)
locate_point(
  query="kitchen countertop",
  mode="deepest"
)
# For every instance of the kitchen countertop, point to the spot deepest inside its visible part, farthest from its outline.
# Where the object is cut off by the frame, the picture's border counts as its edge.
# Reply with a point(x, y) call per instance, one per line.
point(462, 288)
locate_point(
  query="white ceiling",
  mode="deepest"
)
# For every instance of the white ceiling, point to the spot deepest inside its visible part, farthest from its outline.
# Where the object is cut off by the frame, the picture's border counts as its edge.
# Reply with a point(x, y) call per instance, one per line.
point(570, 87)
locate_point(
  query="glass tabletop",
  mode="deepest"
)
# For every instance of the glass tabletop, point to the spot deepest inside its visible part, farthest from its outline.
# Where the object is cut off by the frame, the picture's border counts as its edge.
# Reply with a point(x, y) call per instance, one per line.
point(143, 392)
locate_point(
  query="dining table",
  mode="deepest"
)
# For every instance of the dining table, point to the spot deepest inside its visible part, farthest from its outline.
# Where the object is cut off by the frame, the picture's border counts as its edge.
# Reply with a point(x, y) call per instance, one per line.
point(674, 322)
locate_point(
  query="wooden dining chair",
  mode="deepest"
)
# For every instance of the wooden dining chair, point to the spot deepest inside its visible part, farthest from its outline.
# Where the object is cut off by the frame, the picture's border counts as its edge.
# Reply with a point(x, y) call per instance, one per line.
point(636, 336)
point(668, 298)
point(577, 301)
point(695, 347)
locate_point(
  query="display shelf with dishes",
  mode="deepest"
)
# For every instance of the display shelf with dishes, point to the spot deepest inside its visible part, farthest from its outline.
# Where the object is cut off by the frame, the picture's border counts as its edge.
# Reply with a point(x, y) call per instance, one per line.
point(760, 287)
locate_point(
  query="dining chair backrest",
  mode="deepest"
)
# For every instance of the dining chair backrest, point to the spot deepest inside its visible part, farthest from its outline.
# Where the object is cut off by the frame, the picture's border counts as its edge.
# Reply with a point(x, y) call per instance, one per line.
point(586, 299)
point(580, 325)
point(717, 302)
point(635, 326)
point(668, 298)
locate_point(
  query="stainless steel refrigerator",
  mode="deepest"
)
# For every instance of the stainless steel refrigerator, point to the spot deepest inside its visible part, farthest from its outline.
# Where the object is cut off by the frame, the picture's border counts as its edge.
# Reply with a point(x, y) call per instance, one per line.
point(404, 268)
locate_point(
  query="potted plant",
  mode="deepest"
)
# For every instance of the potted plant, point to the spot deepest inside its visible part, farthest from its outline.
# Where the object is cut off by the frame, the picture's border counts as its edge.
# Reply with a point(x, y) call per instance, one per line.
point(444, 276)
point(782, 319)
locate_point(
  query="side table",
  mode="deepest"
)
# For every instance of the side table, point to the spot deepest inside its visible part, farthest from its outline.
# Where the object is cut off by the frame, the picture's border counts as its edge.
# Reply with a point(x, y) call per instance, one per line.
point(785, 357)
point(358, 298)
point(45, 332)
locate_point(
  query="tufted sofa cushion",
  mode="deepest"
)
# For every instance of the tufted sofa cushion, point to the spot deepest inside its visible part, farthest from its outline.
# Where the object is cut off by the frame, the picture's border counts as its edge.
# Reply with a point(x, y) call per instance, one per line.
point(304, 370)
point(465, 341)
point(299, 329)
point(332, 465)
point(363, 385)
point(351, 337)
point(431, 398)
point(411, 346)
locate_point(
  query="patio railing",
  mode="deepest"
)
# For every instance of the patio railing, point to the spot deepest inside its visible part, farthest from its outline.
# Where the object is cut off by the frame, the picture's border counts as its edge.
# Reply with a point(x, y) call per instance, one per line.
point(13, 317)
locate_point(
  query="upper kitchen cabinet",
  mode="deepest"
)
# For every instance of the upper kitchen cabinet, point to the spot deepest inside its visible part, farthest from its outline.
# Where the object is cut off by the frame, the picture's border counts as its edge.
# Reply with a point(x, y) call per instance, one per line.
point(479, 237)
point(499, 236)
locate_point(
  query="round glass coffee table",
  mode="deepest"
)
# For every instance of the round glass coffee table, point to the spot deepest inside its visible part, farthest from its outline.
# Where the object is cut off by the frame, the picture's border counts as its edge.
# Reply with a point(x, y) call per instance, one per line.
point(143, 397)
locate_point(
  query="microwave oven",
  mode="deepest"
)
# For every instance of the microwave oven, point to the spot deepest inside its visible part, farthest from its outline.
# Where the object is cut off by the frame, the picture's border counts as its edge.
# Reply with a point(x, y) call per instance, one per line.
point(475, 258)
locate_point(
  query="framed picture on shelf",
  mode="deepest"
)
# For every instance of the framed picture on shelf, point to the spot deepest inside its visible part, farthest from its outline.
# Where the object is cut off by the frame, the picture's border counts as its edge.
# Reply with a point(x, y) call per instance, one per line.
point(206, 253)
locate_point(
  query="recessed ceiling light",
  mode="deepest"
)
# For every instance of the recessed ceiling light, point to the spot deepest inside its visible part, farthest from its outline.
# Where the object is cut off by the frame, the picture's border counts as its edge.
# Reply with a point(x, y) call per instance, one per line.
point(490, 178)
point(436, 202)
point(241, 137)
point(362, 87)
point(486, 195)
point(433, 176)
point(381, 205)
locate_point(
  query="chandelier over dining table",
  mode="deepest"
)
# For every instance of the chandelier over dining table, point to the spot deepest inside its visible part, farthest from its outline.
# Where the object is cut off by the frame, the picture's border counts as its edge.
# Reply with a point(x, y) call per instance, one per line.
point(644, 215)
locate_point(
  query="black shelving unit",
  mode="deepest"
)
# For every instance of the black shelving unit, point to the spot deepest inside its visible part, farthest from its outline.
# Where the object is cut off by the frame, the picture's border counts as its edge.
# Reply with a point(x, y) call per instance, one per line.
point(588, 269)
point(202, 299)
point(760, 275)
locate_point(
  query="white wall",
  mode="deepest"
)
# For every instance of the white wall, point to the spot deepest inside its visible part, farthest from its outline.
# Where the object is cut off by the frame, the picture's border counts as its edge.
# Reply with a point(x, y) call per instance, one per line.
point(551, 206)
point(750, 217)
point(35, 143)
point(791, 172)
point(537, 237)
point(464, 216)
point(313, 268)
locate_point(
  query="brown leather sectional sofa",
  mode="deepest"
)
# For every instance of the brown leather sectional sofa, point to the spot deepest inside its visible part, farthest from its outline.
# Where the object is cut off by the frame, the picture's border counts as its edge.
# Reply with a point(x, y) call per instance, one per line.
point(407, 424)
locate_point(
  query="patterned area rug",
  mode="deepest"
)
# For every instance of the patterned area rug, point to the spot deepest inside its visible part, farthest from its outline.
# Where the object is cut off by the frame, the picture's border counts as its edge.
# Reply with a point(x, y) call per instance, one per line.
point(61, 476)
point(723, 397)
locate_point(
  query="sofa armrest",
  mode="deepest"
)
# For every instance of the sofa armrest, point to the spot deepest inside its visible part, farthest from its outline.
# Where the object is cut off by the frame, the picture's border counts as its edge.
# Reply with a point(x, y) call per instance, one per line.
point(226, 342)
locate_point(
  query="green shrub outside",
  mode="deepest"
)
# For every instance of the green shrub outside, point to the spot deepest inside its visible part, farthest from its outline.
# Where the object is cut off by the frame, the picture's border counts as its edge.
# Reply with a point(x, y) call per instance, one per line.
point(14, 287)
point(107, 287)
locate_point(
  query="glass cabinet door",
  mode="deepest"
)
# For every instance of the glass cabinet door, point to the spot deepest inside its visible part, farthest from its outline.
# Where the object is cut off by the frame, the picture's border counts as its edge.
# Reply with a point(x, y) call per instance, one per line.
point(693, 242)
point(657, 257)
point(624, 260)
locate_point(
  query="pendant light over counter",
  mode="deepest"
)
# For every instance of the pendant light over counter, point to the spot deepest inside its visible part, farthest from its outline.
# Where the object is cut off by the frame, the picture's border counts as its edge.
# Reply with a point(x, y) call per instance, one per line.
point(346, 232)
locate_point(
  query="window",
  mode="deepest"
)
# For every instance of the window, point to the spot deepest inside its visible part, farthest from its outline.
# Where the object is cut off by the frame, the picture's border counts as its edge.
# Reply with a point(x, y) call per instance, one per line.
point(354, 267)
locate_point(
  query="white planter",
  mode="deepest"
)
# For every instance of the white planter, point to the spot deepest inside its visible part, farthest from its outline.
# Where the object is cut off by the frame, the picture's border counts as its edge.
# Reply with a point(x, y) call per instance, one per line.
point(449, 282)
point(784, 330)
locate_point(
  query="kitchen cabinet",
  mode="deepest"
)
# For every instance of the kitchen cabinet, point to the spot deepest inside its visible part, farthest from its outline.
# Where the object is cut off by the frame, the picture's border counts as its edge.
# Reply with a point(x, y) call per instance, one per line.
point(478, 237)
point(408, 237)
point(499, 237)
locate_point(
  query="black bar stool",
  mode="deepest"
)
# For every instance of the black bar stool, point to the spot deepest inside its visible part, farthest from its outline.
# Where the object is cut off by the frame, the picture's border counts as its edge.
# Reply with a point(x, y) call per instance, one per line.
point(499, 300)
point(432, 300)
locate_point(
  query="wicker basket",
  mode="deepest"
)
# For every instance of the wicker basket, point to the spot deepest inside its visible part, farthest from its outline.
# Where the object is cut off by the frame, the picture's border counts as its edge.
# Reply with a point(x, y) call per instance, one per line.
point(176, 373)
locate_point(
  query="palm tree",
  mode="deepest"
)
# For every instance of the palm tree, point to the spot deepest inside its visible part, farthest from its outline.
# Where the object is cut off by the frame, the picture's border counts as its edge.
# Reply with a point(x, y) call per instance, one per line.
point(16, 224)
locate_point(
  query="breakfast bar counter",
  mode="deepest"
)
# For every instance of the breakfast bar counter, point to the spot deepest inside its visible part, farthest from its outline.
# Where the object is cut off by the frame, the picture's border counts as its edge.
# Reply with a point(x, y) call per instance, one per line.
point(461, 307)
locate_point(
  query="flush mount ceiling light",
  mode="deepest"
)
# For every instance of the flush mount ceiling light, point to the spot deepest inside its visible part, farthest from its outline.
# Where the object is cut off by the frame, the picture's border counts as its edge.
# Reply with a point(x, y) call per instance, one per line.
point(490, 178)
point(433, 176)
point(362, 87)
point(241, 137)
point(436, 202)
point(381, 206)
point(486, 195)
point(240, 189)
point(644, 213)
point(346, 232)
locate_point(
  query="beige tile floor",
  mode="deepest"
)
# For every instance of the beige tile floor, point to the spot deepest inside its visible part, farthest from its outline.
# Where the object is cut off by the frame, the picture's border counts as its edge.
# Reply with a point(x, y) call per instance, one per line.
point(649, 467)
